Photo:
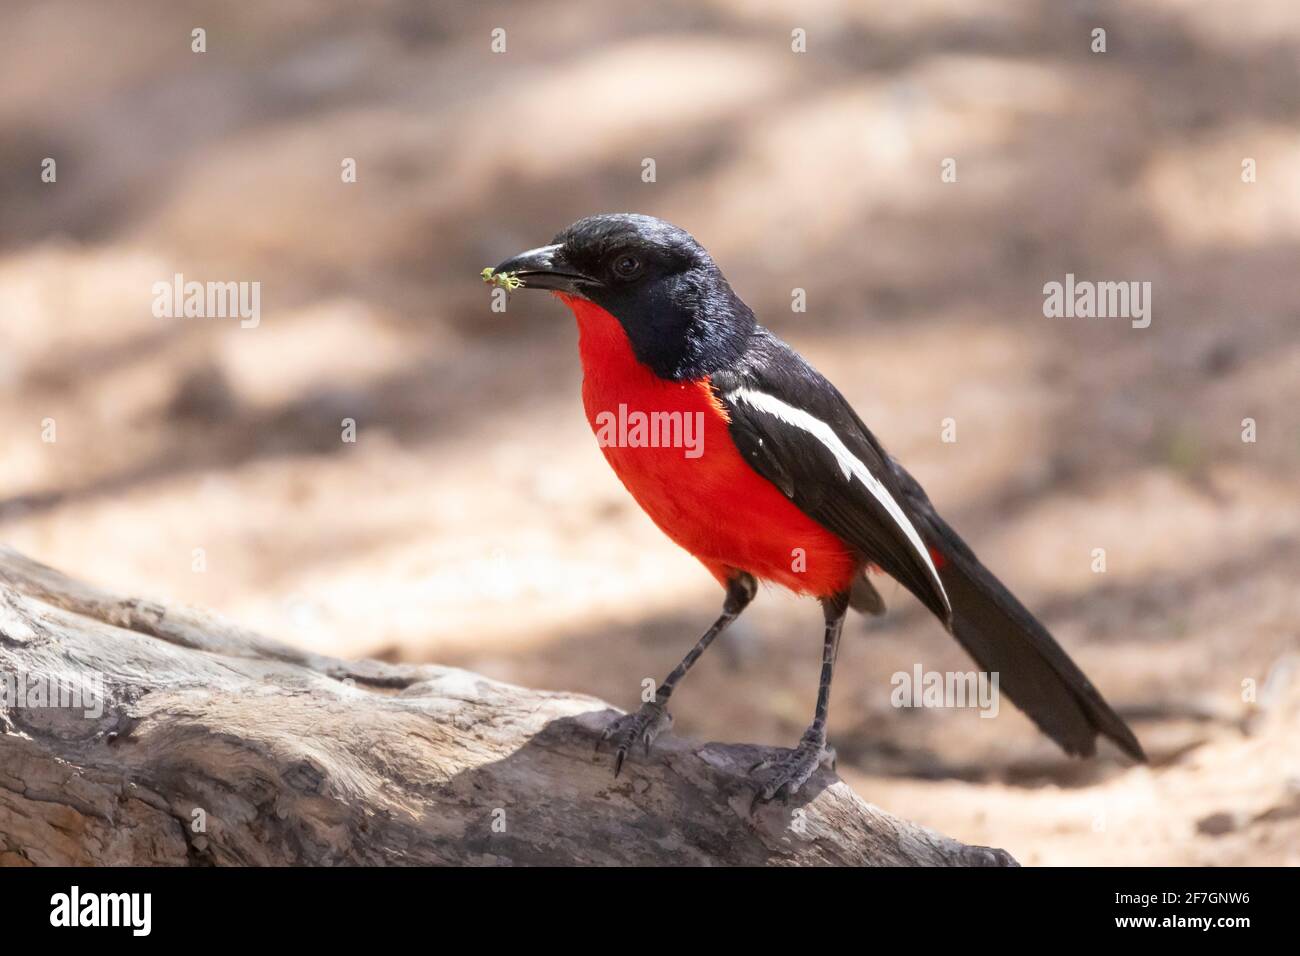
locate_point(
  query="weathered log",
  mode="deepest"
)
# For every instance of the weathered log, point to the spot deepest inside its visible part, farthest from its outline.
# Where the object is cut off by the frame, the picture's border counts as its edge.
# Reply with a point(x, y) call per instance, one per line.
point(138, 733)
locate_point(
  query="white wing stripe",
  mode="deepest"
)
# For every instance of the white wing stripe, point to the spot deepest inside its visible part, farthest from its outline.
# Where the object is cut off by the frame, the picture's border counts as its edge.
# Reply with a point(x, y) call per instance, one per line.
point(849, 463)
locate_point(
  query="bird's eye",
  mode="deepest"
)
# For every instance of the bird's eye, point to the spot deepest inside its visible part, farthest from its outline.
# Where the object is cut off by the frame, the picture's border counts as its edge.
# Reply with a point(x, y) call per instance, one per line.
point(625, 266)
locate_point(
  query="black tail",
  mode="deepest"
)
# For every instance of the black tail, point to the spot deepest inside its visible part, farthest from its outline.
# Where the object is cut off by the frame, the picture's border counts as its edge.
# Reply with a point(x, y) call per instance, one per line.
point(1003, 637)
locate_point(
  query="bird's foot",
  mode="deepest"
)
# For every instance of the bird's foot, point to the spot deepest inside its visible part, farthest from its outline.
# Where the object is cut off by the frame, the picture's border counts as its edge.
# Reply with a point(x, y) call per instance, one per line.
point(783, 776)
point(642, 727)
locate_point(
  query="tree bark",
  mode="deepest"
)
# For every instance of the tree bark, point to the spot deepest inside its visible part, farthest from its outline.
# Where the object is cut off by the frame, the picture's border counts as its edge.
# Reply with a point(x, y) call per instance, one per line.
point(195, 741)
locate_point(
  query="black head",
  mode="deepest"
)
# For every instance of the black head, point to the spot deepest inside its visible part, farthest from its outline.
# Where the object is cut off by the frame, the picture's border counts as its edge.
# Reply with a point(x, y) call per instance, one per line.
point(679, 313)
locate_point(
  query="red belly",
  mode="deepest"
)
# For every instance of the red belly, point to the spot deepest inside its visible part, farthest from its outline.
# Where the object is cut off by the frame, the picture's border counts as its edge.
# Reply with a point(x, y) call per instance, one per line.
point(714, 505)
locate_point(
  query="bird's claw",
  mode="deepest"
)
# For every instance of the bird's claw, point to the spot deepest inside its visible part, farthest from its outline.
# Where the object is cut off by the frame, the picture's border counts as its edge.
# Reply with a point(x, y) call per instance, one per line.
point(783, 776)
point(643, 726)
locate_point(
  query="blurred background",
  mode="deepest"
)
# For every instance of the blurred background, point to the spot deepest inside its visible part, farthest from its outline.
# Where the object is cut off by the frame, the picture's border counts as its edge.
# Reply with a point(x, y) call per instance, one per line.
point(474, 521)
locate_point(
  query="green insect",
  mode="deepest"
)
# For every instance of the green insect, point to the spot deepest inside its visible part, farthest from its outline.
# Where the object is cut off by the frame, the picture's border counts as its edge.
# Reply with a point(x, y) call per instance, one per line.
point(502, 280)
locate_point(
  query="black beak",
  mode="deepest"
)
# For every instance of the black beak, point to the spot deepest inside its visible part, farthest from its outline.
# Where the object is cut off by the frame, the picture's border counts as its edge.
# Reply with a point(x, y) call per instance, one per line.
point(546, 268)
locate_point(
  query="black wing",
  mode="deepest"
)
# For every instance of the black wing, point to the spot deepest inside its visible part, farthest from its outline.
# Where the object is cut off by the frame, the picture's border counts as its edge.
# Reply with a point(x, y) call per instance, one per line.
point(780, 436)
point(797, 431)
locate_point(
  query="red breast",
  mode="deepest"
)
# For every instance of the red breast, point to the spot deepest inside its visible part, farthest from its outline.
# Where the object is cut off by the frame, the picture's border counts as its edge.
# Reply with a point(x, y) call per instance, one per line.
point(704, 496)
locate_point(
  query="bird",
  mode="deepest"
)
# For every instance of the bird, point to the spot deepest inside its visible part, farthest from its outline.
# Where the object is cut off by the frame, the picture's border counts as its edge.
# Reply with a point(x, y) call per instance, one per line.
point(783, 483)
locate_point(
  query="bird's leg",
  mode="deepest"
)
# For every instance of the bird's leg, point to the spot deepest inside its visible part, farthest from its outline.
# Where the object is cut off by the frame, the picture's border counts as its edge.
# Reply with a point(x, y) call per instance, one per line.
point(784, 775)
point(653, 718)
